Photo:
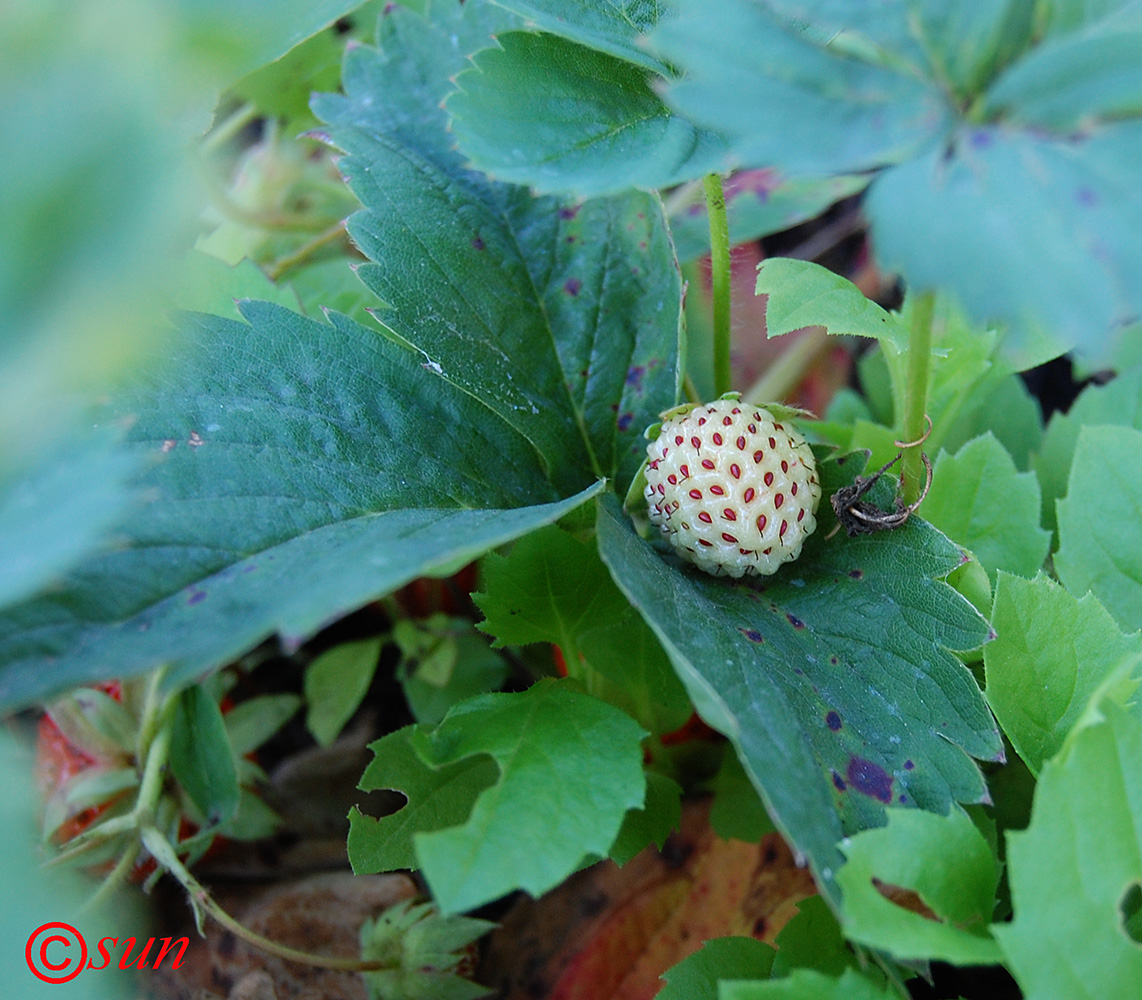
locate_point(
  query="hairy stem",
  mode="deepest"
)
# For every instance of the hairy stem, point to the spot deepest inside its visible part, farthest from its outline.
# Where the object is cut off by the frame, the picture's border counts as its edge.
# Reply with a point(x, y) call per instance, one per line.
point(720, 278)
point(916, 392)
point(160, 847)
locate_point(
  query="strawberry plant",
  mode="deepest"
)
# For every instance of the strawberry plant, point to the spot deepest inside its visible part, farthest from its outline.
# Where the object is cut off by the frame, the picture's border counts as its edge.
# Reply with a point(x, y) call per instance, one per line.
point(935, 707)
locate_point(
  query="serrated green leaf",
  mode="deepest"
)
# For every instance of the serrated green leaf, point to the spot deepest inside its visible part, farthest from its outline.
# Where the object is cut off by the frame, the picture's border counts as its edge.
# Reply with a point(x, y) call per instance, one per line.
point(809, 106)
point(1072, 82)
point(758, 203)
point(293, 479)
point(550, 588)
point(570, 768)
point(979, 499)
point(801, 293)
point(1100, 529)
point(1119, 402)
point(438, 798)
point(808, 984)
point(569, 313)
point(335, 683)
point(948, 863)
point(251, 723)
point(1052, 653)
point(1072, 867)
point(697, 976)
point(612, 27)
point(201, 758)
point(544, 111)
point(999, 190)
point(833, 678)
point(653, 822)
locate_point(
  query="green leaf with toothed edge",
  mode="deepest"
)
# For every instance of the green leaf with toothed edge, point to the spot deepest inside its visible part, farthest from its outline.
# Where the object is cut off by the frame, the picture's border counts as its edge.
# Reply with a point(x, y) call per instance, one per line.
point(561, 317)
point(292, 480)
point(944, 859)
point(1072, 870)
point(833, 678)
point(565, 806)
point(1037, 685)
point(547, 112)
point(1100, 530)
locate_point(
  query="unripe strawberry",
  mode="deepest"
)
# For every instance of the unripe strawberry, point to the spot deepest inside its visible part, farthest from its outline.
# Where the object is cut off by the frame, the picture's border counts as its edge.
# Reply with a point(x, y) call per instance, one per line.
point(734, 490)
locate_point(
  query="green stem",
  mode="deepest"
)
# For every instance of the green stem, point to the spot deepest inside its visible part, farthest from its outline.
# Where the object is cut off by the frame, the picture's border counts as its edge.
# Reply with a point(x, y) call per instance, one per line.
point(304, 252)
point(720, 279)
point(916, 392)
point(225, 130)
point(165, 855)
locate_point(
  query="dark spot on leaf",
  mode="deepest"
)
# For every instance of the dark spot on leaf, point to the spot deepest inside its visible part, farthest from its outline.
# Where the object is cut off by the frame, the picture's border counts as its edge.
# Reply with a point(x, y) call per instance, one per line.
point(770, 854)
point(908, 765)
point(992, 634)
point(642, 244)
point(635, 374)
point(569, 212)
point(841, 460)
point(676, 850)
point(799, 672)
point(795, 621)
point(695, 209)
point(981, 139)
point(856, 574)
point(593, 903)
point(250, 568)
point(833, 660)
point(625, 421)
point(572, 285)
point(759, 927)
point(833, 721)
point(752, 634)
point(1086, 197)
point(477, 243)
point(196, 597)
point(839, 782)
point(902, 799)
point(870, 779)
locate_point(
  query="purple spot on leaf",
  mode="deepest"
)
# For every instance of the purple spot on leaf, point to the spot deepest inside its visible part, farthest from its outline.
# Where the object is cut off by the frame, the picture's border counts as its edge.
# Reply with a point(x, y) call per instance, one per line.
point(981, 139)
point(477, 243)
point(795, 621)
point(833, 721)
point(856, 574)
point(569, 212)
point(839, 782)
point(908, 765)
point(634, 375)
point(625, 421)
point(196, 597)
point(870, 779)
point(752, 634)
point(572, 285)
point(1086, 197)
point(902, 799)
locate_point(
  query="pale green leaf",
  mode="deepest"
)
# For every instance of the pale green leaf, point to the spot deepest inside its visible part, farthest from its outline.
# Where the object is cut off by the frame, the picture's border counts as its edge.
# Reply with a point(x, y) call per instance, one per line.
point(696, 977)
point(1052, 653)
point(335, 683)
point(201, 758)
point(947, 862)
point(808, 984)
point(564, 805)
point(1100, 522)
point(980, 500)
point(1072, 869)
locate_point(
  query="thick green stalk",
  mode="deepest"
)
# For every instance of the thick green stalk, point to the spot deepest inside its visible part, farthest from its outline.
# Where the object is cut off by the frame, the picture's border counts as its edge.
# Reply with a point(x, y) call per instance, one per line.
point(916, 392)
point(720, 277)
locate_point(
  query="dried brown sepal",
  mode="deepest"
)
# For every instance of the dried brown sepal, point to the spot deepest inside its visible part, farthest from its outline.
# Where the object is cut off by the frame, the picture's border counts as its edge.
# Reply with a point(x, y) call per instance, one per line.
point(860, 518)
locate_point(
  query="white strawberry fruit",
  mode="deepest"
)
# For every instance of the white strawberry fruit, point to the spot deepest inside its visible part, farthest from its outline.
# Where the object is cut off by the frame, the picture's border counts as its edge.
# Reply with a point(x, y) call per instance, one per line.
point(734, 489)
